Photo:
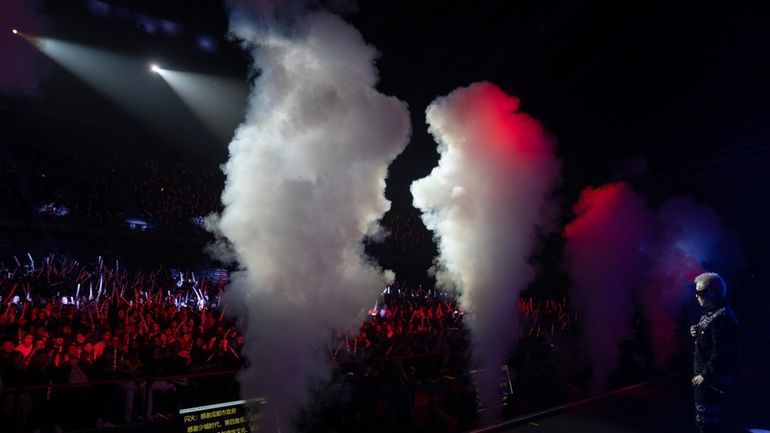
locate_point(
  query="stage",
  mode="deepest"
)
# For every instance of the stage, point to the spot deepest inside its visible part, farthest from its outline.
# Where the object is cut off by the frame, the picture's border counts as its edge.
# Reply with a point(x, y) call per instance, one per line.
point(660, 406)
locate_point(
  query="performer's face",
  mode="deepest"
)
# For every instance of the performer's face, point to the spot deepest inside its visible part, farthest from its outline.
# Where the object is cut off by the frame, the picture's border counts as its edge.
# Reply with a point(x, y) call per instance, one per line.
point(704, 297)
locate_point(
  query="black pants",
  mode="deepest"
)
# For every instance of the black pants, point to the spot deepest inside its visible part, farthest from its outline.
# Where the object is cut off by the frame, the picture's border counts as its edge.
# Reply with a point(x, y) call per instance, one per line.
point(709, 405)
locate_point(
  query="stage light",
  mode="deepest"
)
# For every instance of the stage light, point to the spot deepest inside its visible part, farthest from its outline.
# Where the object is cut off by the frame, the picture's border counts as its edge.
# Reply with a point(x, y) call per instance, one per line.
point(155, 68)
point(15, 32)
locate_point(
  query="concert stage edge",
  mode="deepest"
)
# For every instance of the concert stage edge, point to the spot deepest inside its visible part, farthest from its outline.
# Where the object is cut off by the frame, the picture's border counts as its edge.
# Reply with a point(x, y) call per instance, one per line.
point(663, 405)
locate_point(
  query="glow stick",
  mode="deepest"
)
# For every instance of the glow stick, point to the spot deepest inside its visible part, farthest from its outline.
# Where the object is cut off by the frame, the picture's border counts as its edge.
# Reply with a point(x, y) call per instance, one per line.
point(99, 292)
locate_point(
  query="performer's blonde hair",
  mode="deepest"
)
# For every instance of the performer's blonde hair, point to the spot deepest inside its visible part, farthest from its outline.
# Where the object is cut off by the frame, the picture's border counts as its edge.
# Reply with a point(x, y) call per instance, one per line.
point(712, 281)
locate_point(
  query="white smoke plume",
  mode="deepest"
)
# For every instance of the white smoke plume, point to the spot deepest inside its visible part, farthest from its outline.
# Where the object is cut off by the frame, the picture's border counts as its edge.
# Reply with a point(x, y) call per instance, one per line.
point(305, 183)
point(485, 202)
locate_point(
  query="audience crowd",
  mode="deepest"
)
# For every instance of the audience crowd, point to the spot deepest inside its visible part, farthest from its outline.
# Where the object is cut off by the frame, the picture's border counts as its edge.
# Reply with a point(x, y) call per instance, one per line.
point(405, 230)
point(161, 195)
point(126, 343)
point(64, 324)
point(409, 367)
point(175, 195)
point(167, 195)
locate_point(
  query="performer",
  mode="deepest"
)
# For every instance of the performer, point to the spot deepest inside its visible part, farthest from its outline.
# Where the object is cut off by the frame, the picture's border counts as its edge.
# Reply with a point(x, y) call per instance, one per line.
point(715, 363)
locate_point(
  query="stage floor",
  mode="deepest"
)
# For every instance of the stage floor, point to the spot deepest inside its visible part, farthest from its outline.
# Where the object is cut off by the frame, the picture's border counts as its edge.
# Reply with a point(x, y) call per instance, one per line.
point(663, 406)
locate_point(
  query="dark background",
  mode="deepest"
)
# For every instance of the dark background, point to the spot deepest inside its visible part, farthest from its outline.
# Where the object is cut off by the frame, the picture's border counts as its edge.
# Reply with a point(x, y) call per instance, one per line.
point(673, 97)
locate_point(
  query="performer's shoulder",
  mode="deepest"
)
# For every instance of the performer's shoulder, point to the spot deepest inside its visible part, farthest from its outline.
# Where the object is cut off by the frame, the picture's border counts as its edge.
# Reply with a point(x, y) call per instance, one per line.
point(727, 314)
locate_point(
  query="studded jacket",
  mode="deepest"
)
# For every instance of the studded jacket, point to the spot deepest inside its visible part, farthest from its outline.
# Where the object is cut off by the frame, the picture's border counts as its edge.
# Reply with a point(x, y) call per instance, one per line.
point(716, 344)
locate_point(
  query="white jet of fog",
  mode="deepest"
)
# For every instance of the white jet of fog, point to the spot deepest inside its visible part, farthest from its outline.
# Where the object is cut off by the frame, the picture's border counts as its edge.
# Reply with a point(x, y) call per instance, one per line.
point(484, 202)
point(305, 183)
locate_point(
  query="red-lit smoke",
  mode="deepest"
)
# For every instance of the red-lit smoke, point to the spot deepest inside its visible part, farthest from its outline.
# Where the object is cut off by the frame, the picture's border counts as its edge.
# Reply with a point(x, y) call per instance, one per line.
point(484, 202)
point(604, 254)
point(618, 251)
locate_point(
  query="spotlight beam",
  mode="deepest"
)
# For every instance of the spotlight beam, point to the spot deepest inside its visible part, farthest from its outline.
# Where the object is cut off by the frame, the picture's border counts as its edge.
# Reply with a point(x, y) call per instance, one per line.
point(218, 102)
point(114, 75)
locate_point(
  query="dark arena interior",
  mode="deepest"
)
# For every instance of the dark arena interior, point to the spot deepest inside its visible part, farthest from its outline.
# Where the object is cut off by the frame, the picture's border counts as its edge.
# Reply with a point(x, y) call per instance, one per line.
point(384, 216)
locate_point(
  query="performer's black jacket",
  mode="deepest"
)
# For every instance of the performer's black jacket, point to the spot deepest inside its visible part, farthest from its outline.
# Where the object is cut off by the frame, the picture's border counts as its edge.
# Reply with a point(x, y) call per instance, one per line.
point(716, 344)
